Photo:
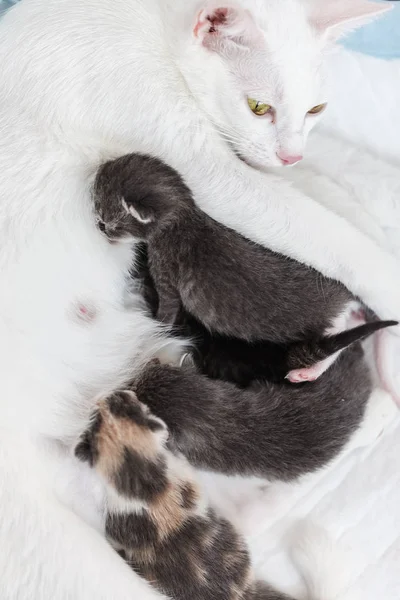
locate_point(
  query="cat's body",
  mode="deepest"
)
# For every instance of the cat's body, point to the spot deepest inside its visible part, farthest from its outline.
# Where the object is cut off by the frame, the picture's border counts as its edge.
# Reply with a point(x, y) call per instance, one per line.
point(244, 291)
point(83, 82)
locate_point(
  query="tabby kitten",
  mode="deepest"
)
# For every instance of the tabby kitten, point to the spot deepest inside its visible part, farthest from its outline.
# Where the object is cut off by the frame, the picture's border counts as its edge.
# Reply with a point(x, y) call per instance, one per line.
point(157, 518)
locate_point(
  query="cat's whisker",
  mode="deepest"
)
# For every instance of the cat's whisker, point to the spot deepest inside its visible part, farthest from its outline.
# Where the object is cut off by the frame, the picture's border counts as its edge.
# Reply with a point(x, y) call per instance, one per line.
point(230, 138)
point(225, 135)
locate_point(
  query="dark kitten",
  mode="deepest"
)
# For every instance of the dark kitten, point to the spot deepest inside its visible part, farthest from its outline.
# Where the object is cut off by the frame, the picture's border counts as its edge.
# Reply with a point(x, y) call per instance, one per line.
point(273, 431)
point(231, 285)
point(157, 518)
point(241, 362)
point(232, 359)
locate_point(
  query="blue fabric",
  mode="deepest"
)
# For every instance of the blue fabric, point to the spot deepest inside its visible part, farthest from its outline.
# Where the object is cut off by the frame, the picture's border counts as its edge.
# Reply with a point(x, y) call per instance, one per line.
point(6, 4)
point(380, 39)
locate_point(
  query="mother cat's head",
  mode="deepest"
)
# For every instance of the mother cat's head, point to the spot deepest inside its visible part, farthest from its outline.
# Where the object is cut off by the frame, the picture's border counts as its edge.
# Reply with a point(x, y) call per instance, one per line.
point(256, 67)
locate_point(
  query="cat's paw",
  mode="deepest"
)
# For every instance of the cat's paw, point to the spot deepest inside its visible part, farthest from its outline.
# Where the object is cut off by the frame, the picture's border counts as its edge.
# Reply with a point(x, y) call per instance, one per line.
point(121, 426)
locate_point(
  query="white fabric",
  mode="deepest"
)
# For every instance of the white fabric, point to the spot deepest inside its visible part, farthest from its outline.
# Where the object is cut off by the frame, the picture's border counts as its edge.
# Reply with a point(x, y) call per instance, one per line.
point(358, 498)
point(364, 102)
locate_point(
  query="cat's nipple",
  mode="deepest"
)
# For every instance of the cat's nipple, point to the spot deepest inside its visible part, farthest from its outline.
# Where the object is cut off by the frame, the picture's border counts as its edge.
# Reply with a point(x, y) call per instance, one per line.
point(83, 312)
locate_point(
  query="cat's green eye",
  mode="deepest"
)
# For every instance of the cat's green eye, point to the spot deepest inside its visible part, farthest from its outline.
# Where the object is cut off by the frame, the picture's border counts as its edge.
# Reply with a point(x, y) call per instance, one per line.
point(317, 109)
point(258, 108)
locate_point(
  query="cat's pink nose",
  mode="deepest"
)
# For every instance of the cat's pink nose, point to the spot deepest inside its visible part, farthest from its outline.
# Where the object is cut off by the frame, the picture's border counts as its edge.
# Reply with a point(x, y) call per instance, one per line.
point(289, 159)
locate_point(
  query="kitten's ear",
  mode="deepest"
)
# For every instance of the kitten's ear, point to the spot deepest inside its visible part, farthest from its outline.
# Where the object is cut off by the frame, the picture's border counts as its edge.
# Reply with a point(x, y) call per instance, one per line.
point(218, 24)
point(138, 210)
point(334, 18)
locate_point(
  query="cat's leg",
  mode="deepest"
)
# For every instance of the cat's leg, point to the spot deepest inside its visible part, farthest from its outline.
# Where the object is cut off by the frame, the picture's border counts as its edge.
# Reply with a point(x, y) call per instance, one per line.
point(373, 182)
point(337, 199)
point(157, 518)
point(386, 350)
point(48, 552)
point(273, 431)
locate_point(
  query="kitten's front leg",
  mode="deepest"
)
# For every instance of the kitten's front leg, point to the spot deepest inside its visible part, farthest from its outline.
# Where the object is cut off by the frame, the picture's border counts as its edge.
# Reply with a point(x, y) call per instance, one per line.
point(157, 518)
point(169, 301)
point(168, 309)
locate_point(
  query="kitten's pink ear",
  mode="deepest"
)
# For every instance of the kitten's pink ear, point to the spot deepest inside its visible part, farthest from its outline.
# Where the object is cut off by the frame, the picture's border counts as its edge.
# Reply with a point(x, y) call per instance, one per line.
point(216, 25)
point(334, 18)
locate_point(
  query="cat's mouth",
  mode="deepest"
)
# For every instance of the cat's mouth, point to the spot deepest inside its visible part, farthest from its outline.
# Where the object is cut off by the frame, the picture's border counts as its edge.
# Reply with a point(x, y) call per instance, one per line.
point(241, 157)
point(253, 164)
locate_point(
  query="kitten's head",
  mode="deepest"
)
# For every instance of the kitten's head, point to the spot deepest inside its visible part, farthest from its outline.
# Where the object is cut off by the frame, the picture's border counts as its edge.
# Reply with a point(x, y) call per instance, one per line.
point(134, 193)
point(256, 68)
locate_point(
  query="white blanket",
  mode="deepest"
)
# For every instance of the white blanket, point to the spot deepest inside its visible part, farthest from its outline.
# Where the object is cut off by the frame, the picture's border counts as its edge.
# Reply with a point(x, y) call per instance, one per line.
point(358, 498)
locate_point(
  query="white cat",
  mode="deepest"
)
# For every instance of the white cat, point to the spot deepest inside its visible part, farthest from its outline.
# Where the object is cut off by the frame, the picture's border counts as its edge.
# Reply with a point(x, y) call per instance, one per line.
point(208, 89)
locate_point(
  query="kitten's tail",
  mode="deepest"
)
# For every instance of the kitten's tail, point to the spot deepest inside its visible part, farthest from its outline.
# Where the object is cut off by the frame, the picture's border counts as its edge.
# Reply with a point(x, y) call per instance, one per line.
point(305, 354)
point(324, 564)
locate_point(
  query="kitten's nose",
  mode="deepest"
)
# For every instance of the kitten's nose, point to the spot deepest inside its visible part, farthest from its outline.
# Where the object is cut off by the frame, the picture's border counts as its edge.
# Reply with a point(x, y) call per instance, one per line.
point(289, 159)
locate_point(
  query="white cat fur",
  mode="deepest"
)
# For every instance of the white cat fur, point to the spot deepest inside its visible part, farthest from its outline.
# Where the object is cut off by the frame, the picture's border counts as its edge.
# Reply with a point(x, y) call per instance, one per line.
point(82, 81)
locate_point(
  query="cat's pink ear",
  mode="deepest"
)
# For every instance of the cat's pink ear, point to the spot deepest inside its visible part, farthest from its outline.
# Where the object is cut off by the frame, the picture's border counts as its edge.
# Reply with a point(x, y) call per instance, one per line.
point(334, 18)
point(218, 24)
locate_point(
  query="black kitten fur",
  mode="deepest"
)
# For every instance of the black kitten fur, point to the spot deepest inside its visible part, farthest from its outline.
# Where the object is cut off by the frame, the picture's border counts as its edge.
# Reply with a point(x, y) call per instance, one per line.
point(224, 357)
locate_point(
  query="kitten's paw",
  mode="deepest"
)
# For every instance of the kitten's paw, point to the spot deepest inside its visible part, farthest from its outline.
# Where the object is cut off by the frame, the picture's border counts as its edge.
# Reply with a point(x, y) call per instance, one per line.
point(120, 425)
point(311, 373)
point(304, 375)
point(300, 376)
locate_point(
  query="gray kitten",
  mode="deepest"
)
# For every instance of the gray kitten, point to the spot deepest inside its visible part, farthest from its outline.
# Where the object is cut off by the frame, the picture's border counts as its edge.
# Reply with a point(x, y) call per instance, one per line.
point(231, 285)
